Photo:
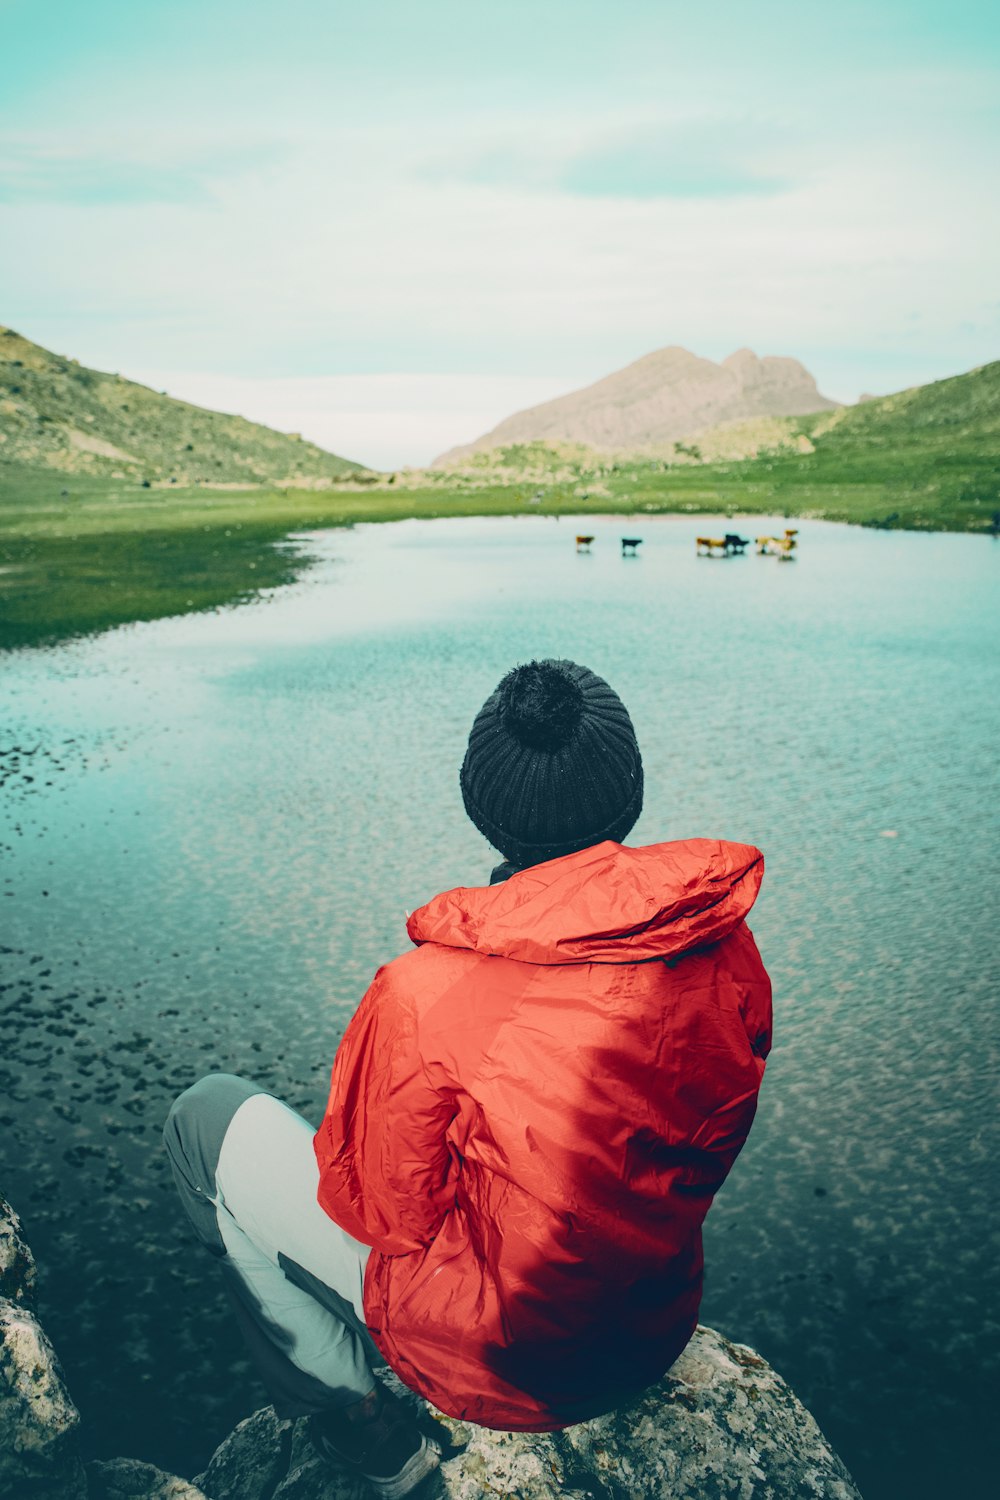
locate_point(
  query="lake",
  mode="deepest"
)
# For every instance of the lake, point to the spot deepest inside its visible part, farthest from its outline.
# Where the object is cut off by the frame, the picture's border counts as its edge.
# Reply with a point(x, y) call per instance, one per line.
point(213, 829)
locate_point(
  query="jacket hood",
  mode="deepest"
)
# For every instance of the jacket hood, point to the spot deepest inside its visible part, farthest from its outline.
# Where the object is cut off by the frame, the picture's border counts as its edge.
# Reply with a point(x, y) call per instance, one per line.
point(606, 904)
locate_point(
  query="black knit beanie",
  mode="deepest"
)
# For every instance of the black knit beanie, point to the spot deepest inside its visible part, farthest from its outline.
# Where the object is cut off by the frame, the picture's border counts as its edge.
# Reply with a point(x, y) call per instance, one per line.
point(552, 764)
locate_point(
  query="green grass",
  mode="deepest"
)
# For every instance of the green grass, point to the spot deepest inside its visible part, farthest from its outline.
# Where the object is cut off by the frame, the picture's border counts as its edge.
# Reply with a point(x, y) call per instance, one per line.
point(81, 554)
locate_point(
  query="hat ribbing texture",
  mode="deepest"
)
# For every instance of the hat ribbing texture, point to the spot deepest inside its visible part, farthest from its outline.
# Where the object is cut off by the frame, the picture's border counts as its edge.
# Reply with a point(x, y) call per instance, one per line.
point(552, 763)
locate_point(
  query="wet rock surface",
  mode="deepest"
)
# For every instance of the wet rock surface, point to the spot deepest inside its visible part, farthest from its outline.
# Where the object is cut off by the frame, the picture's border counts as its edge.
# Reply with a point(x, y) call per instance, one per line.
point(721, 1423)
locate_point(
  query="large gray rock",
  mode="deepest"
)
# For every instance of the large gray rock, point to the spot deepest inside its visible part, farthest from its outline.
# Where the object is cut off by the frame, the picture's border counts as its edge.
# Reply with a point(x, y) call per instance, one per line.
point(18, 1277)
point(128, 1479)
point(720, 1424)
point(252, 1461)
point(38, 1421)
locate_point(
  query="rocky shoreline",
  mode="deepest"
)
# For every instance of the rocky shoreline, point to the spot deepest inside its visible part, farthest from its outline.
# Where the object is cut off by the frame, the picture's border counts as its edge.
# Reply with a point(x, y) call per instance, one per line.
point(720, 1423)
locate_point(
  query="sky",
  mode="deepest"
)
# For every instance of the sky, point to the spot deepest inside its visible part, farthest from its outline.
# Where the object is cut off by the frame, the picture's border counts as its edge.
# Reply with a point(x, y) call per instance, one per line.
point(388, 225)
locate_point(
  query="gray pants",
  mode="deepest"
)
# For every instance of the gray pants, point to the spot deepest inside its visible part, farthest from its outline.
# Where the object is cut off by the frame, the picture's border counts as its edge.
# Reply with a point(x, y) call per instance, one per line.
point(245, 1169)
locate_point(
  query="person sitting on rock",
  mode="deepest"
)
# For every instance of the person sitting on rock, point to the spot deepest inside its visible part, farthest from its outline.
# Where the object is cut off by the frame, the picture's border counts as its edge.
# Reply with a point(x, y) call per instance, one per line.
point(529, 1115)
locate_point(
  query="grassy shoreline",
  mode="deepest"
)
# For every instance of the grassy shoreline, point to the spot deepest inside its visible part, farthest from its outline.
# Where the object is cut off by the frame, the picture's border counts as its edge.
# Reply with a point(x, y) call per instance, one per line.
point(80, 555)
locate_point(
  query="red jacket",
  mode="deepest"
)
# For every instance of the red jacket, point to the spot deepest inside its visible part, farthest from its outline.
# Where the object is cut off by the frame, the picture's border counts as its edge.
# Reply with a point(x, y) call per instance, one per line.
point(530, 1114)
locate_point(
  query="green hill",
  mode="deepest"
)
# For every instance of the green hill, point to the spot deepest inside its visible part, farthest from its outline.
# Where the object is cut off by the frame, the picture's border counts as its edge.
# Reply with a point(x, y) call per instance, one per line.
point(964, 409)
point(933, 452)
point(55, 414)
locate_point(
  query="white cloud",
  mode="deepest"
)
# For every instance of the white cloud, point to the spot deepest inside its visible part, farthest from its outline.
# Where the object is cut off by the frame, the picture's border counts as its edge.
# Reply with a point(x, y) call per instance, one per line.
point(345, 256)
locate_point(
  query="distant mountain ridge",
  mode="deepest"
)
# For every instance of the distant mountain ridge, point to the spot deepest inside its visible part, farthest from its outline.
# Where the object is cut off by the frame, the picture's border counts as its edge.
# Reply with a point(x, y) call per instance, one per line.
point(57, 414)
point(666, 395)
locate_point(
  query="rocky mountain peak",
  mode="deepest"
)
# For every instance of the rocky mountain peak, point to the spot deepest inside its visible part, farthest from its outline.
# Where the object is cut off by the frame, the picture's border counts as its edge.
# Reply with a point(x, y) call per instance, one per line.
point(668, 394)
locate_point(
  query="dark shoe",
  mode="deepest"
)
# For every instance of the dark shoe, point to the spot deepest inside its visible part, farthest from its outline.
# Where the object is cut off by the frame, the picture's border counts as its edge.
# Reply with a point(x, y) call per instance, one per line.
point(386, 1448)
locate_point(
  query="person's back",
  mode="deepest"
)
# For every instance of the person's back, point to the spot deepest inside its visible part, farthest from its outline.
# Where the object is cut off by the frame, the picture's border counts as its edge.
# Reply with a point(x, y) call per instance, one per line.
point(561, 1075)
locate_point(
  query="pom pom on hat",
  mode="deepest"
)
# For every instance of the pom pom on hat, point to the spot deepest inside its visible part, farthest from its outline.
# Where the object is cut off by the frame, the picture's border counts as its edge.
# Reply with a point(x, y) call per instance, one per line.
point(540, 705)
point(552, 763)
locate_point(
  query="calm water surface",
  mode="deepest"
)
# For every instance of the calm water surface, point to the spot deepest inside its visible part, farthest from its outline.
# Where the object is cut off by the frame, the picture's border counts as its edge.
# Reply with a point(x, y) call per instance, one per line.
point(213, 829)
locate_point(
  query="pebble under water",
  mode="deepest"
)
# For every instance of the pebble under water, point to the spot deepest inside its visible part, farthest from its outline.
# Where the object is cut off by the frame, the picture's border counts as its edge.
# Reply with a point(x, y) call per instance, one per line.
point(213, 828)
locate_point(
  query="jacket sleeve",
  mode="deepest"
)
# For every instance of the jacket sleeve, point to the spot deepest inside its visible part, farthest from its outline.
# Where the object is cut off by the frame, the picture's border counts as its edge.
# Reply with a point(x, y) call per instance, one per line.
point(387, 1174)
